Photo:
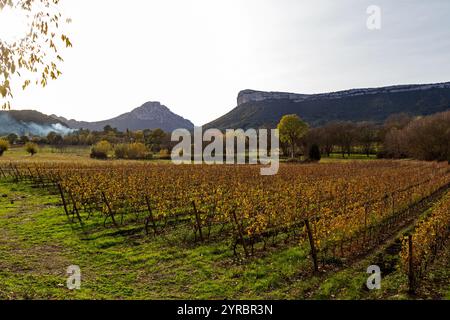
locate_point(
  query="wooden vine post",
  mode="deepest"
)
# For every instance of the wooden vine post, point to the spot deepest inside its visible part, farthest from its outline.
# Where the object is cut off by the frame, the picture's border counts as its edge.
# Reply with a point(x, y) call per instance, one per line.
point(199, 222)
point(16, 177)
point(241, 234)
point(75, 209)
point(19, 174)
point(150, 217)
point(366, 209)
point(111, 214)
point(411, 276)
point(313, 246)
point(61, 192)
point(41, 179)
point(393, 202)
point(3, 174)
point(32, 180)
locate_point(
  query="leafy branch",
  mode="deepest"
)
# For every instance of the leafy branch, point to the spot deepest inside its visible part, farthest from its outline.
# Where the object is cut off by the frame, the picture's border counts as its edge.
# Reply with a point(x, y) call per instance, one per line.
point(35, 56)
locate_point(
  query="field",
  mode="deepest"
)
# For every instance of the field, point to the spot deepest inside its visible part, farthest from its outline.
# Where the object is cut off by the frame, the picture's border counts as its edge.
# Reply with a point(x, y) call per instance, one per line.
point(152, 230)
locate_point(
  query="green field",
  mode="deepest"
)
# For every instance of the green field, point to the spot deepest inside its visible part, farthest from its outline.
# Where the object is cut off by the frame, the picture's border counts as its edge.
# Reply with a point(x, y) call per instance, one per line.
point(80, 154)
point(18, 153)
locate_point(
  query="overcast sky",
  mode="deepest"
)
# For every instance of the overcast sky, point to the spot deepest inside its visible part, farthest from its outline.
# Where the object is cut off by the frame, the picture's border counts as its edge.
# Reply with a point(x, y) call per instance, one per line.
point(194, 56)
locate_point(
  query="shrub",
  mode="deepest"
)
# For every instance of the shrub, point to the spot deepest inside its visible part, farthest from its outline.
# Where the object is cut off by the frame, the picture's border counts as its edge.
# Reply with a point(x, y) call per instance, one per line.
point(134, 151)
point(24, 139)
point(121, 151)
point(12, 138)
point(137, 150)
point(101, 150)
point(4, 146)
point(314, 153)
point(31, 148)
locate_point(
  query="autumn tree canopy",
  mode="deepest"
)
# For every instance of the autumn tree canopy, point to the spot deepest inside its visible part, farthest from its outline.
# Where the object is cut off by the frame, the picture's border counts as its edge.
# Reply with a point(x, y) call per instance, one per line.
point(35, 57)
point(291, 129)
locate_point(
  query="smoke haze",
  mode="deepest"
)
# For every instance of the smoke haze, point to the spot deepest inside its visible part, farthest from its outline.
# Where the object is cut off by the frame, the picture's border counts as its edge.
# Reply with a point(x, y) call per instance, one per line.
point(9, 125)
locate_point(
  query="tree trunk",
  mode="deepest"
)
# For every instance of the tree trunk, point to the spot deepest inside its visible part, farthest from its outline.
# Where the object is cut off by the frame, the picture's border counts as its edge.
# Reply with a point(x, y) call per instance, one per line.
point(292, 148)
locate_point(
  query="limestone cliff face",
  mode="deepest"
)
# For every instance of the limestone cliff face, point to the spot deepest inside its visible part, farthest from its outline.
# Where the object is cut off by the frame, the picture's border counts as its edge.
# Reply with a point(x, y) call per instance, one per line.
point(258, 109)
point(253, 95)
point(246, 96)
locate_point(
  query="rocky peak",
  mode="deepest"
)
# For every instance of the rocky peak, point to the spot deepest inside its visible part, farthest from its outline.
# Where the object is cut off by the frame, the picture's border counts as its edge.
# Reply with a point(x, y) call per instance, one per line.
point(150, 115)
point(150, 111)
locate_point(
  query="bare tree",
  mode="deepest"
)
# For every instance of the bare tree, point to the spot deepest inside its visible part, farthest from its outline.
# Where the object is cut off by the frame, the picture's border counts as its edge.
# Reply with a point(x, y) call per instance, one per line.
point(428, 138)
point(345, 136)
point(395, 143)
point(367, 136)
point(425, 138)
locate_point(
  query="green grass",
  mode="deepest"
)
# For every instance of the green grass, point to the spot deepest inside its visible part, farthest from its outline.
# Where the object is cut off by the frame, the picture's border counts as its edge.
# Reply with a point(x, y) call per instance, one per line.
point(46, 153)
point(38, 243)
point(79, 154)
point(353, 156)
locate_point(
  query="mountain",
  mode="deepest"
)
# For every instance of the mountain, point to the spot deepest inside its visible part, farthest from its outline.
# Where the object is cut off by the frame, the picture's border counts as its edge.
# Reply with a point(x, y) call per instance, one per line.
point(151, 115)
point(30, 122)
point(257, 109)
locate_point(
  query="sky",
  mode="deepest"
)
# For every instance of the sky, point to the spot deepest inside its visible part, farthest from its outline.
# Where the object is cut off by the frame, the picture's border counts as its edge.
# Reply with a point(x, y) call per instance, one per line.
point(194, 56)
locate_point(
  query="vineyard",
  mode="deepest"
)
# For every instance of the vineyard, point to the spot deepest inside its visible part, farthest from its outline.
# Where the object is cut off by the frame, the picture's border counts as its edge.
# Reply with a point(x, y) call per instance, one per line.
point(421, 247)
point(340, 211)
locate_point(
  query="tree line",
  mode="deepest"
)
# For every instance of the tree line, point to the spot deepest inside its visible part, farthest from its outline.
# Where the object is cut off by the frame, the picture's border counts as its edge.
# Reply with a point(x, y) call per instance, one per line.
point(155, 140)
point(400, 136)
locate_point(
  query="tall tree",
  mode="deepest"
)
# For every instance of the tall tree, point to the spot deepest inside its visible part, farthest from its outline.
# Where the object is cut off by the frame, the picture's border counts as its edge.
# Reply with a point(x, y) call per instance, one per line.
point(345, 134)
point(327, 136)
point(292, 129)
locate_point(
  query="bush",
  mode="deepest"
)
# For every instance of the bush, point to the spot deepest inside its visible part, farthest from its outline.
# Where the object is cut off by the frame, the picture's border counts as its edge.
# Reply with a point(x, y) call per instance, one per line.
point(137, 150)
point(101, 150)
point(24, 140)
point(121, 151)
point(133, 151)
point(314, 153)
point(4, 146)
point(31, 148)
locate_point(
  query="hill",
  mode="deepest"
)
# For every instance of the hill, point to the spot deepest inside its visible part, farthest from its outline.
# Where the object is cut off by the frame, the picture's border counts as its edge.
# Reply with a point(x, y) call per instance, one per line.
point(30, 122)
point(257, 109)
point(151, 115)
